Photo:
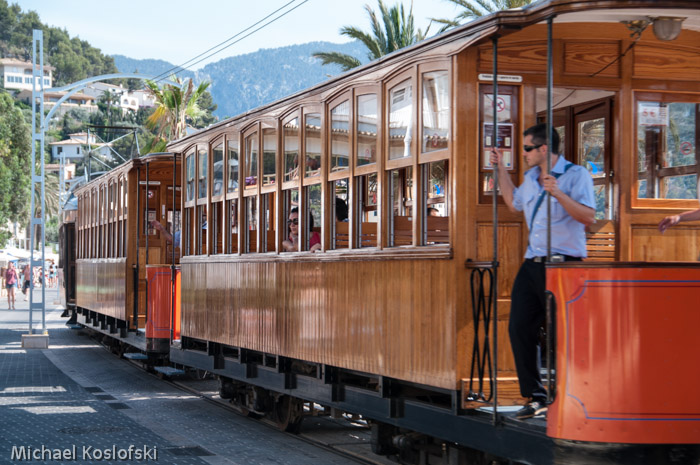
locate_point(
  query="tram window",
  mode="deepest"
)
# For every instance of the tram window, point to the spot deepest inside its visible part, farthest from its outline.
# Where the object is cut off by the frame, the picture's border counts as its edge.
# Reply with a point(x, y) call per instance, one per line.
point(436, 224)
point(217, 186)
point(251, 160)
point(233, 164)
point(312, 218)
point(291, 202)
point(312, 144)
point(436, 111)
point(340, 136)
point(190, 176)
point(202, 225)
point(400, 120)
point(591, 155)
point(365, 211)
point(291, 150)
point(232, 208)
point(251, 224)
point(186, 233)
point(667, 149)
point(366, 129)
point(401, 207)
point(269, 208)
point(340, 225)
point(202, 157)
point(269, 160)
point(217, 218)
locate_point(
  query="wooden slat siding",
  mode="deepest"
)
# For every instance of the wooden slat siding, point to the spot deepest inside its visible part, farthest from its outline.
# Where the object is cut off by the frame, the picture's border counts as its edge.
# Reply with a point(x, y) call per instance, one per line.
point(600, 241)
point(403, 230)
point(679, 243)
point(524, 57)
point(393, 317)
point(101, 286)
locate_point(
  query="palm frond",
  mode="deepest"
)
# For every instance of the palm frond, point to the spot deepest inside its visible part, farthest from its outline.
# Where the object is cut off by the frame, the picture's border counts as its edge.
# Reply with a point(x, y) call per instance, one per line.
point(346, 62)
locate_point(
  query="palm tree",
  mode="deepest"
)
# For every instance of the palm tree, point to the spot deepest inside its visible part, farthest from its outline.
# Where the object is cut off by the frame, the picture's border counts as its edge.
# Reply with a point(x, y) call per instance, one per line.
point(395, 31)
point(473, 9)
point(174, 106)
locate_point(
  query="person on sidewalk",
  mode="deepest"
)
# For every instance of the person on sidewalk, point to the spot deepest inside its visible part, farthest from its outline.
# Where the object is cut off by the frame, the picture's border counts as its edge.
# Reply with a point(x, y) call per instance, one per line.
point(11, 280)
point(27, 275)
point(573, 208)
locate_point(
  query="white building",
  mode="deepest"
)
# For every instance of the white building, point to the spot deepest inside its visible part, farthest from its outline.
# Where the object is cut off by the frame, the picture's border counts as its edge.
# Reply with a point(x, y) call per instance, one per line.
point(17, 74)
point(75, 146)
point(127, 100)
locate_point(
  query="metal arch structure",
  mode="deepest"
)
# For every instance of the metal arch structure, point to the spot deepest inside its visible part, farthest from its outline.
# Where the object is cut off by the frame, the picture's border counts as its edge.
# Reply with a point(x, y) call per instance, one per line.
point(39, 127)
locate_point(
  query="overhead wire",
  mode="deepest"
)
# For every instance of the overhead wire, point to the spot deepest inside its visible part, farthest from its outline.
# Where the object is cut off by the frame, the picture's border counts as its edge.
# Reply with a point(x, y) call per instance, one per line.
point(189, 63)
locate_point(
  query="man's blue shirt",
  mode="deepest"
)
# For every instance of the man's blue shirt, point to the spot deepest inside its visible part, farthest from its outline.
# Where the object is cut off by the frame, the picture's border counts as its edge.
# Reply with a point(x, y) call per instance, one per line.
point(568, 235)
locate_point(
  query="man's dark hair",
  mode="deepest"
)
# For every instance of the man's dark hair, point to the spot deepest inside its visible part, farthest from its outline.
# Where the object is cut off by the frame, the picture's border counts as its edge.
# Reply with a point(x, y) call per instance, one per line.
point(341, 209)
point(539, 136)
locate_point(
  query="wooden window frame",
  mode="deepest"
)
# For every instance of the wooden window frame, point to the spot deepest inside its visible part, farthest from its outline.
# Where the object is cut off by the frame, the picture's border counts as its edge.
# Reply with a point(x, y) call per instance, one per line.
point(294, 183)
point(316, 179)
point(359, 170)
point(443, 154)
point(266, 125)
point(347, 96)
point(411, 75)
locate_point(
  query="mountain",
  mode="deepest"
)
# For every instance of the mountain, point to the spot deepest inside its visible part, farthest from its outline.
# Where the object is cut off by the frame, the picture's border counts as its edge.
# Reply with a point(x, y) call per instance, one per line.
point(241, 83)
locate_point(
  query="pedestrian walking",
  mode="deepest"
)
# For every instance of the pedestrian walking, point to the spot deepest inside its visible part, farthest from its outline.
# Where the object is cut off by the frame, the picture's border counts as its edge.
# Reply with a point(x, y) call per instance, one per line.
point(11, 280)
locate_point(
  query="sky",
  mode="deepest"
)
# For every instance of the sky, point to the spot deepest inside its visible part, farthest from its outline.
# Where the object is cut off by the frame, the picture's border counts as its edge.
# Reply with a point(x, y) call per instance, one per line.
point(178, 30)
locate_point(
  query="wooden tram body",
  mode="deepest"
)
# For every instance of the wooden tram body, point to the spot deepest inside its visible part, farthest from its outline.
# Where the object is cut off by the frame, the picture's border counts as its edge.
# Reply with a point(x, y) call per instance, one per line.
point(115, 246)
point(381, 321)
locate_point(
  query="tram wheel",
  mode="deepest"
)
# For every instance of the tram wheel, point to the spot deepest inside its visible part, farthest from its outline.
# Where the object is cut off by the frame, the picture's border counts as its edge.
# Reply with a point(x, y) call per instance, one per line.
point(288, 413)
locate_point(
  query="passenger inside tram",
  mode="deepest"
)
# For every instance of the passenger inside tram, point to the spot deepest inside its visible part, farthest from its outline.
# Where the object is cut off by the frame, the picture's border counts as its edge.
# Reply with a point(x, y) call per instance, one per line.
point(291, 244)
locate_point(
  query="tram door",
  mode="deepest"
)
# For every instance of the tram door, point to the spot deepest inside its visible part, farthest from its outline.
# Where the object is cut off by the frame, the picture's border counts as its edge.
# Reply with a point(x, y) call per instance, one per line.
point(585, 130)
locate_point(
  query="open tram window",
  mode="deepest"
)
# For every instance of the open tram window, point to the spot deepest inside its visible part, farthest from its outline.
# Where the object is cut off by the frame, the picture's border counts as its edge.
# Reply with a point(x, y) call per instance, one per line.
point(201, 230)
point(203, 165)
point(436, 111)
point(291, 150)
point(233, 165)
point(366, 216)
point(251, 224)
point(189, 169)
point(401, 120)
point(668, 129)
point(217, 185)
point(269, 207)
point(340, 226)
point(312, 219)
point(291, 204)
point(312, 144)
point(436, 223)
point(232, 208)
point(366, 129)
point(251, 160)
point(401, 207)
point(217, 223)
point(340, 136)
point(269, 158)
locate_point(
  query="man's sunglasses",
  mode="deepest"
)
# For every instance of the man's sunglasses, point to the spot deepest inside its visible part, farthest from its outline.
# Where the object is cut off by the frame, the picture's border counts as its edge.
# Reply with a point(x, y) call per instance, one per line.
point(529, 148)
point(294, 221)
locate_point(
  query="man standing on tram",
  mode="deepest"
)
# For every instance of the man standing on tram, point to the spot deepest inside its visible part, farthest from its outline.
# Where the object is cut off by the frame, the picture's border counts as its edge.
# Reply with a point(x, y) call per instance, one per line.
point(573, 208)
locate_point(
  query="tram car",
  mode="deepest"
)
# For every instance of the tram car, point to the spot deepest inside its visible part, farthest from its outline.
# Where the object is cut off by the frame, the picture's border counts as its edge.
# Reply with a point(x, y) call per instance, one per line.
point(348, 246)
point(122, 257)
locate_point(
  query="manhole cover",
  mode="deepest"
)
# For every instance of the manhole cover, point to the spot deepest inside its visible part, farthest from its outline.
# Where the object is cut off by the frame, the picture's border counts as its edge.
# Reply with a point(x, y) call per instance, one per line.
point(194, 451)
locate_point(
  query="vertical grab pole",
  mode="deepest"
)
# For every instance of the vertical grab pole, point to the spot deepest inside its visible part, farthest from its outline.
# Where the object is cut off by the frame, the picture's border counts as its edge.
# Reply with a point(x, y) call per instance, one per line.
point(548, 300)
point(146, 221)
point(138, 246)
point(172, 263)
point(494, 283)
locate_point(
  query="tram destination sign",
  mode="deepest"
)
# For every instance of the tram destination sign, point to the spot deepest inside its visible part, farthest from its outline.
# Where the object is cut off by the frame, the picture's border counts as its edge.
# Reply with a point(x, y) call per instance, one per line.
point(501, 77)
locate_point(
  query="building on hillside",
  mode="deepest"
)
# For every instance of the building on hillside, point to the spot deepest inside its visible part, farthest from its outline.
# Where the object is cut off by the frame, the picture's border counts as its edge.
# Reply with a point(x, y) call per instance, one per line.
point(75, 146)
point(17, 74)
point(127, 100)
point(78, 101)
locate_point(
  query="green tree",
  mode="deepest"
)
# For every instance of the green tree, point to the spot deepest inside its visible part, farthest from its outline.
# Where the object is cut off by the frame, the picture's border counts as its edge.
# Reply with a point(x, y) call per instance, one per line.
point(15, 154)
point(472, 9)
point(396, 30)
point(175, 106)
point(206, 103)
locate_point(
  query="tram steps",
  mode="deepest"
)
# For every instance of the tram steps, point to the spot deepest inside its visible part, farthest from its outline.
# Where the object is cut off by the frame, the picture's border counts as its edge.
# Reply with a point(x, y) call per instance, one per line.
point(169, 371)
point(135, 356)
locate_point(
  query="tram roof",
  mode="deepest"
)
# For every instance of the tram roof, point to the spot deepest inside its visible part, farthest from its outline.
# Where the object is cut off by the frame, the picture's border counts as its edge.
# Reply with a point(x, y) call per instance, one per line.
point(133, 163)
point(501, 23)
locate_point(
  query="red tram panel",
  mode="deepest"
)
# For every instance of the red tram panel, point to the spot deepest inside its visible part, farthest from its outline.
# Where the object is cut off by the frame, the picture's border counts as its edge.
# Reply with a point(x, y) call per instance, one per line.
point(627, 351)
point(160, 303)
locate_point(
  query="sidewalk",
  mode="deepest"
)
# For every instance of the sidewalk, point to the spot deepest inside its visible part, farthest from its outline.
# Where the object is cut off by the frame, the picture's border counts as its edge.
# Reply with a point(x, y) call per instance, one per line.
point(77, 395)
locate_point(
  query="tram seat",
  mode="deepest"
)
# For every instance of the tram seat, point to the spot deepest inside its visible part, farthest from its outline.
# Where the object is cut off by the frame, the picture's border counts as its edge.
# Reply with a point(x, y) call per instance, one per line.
point(403, 230)
point(342, 234)
point(438, 229)
point(368, 238)
point(600, 241)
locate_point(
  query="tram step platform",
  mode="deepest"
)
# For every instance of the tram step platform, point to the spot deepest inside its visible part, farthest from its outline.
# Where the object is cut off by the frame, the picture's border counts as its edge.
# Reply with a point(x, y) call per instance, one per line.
point(135, 356)
point(75, 326)
point(169, 371)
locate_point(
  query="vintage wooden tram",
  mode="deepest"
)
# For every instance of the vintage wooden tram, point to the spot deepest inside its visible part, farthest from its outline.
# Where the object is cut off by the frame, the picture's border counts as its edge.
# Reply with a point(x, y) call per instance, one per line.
point(394, 317)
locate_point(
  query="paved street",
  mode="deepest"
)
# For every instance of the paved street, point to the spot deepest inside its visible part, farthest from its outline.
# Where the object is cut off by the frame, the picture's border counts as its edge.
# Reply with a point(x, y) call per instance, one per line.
point(78, 403)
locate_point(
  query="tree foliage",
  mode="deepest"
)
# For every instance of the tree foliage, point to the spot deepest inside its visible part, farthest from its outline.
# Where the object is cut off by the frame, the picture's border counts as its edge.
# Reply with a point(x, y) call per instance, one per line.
point(472, 9)
point(15, 156)
point(392, 30)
